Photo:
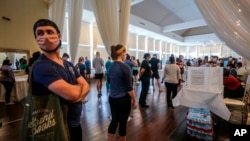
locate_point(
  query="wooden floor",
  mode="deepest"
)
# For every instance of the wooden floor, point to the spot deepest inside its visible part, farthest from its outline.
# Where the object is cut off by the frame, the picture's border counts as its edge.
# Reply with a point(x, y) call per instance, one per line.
point(156, 123)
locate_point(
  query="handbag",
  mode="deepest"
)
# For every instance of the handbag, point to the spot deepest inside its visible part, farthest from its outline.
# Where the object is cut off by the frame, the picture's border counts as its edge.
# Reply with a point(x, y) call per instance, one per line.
point(45, 117)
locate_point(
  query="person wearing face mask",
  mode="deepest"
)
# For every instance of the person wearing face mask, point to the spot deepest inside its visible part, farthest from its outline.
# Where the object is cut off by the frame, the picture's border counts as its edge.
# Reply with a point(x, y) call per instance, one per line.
point(52, 73)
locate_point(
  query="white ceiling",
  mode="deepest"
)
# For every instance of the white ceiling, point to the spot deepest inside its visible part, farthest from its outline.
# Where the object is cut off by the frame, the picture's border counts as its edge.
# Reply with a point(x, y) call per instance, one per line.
point(176, 20)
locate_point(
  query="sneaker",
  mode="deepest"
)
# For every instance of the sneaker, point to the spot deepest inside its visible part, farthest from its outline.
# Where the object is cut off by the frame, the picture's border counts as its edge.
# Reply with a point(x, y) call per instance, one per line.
point(99, 95)
point(10, 103)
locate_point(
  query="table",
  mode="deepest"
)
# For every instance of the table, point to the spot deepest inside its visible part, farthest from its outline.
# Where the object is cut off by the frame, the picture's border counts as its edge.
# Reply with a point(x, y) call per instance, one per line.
point(203, 99)
point(19, 90)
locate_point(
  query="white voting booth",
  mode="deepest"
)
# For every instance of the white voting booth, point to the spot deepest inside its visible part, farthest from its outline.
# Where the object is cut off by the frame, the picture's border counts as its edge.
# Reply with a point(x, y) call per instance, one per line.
point(208, 79)
point(203, 93)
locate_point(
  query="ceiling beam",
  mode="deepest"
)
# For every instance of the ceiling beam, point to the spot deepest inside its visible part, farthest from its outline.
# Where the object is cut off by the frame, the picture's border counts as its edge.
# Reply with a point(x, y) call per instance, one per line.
point(204, 38)
point(185, 25)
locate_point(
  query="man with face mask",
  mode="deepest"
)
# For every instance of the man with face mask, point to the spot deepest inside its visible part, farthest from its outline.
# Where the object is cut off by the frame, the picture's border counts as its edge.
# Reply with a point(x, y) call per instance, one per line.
point(52, 73)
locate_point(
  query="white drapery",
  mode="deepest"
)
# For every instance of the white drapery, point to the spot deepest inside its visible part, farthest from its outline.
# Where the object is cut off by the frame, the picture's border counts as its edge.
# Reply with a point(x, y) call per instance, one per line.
point(57, 12)
point(112, 18)
point(75, 9)
point(230, 21)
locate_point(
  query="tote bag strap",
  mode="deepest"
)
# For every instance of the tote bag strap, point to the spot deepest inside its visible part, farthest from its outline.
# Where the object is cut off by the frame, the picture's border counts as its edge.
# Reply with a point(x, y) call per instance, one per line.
point(30, 79)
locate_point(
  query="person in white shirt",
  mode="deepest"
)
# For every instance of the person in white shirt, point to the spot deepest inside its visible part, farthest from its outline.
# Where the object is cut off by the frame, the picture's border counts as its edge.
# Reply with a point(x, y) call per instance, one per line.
point(172, 77)
point(98, 65)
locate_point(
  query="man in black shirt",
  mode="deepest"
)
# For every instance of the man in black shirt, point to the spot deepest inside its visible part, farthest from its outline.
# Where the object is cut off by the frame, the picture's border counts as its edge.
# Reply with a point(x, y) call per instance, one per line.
point(145, 74)
point(155, 64)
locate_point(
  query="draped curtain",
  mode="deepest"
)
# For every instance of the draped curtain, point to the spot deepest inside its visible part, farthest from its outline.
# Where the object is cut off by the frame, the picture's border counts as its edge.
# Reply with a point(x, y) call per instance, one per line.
point(124, 20)
point(112, 18)
point(75, 9)
point(230, 21)
point(57, 12)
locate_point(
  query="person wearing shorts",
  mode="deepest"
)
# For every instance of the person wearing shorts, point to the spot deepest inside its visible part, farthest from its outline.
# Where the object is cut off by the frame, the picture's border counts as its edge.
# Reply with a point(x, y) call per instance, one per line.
point(98, 64)
point(155, 64)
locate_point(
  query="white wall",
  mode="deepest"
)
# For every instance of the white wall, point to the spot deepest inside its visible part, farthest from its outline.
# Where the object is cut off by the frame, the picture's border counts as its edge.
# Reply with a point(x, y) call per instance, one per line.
point(18, 32)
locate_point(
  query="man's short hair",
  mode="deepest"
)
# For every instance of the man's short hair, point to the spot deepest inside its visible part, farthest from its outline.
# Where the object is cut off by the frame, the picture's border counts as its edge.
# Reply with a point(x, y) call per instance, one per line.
point(65, 55)
point(45, 22)
point(146, 55)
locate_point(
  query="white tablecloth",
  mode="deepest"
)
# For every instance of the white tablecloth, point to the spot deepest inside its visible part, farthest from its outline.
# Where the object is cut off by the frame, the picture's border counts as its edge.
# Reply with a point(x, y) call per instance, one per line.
point(19, 91)
point(203, 99)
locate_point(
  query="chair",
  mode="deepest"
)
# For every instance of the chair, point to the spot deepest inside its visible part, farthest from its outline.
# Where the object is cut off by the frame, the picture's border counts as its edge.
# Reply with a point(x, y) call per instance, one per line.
point(239, 107)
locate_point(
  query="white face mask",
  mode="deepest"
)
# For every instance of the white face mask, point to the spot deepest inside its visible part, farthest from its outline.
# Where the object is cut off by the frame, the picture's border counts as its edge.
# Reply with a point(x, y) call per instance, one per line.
point(47, 42)
point(47, 38)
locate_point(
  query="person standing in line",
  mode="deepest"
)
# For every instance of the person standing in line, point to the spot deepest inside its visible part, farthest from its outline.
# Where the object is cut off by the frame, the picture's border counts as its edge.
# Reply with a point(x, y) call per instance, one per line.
point(98, 64)
point(88, 69)
point(7, 78)
point(23, 63)
point(121, 93)
point(172, 77)
point(180, 63)
point(65, 56)
point(34, 57)
point(155, 65)
point(138, 62)
point(17, 64)
point(107, 66)
point(131, 65)
point(144, 76)
point(62, 78)
point(80, 66)
point(135, 70)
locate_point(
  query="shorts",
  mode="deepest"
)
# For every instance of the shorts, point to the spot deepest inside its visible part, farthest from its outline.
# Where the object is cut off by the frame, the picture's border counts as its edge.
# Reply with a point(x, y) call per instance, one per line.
point(155, 75)
point(135, 72)
point(88, 71)
point(98, 75)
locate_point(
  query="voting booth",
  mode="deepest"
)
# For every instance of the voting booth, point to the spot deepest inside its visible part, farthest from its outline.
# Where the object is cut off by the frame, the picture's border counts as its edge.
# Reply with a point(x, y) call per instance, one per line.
point(203, 93)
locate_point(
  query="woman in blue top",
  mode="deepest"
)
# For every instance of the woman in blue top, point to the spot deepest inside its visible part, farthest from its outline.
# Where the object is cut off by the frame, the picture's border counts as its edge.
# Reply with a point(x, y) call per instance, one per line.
point(52, 73)
point(121, 93)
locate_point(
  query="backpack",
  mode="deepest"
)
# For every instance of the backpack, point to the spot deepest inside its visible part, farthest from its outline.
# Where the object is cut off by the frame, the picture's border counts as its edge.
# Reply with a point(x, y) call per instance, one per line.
point(77, 66)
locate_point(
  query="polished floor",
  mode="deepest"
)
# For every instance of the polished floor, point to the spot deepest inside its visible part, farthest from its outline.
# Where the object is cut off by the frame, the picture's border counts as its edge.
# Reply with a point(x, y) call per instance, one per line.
point(156, 123)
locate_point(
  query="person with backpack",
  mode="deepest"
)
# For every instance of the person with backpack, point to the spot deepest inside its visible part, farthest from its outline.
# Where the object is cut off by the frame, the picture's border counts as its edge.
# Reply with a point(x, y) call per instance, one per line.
point(81, 67)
